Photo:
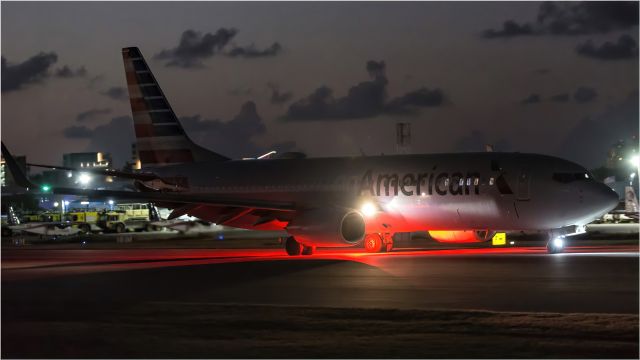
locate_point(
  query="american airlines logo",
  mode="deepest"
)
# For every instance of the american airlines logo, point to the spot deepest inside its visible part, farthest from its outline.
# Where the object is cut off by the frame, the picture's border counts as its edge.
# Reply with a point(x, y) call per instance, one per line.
point(443, 183)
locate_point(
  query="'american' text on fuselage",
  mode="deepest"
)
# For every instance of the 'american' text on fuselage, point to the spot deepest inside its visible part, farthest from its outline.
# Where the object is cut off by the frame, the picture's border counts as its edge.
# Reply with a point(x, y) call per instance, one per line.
point(410, 184)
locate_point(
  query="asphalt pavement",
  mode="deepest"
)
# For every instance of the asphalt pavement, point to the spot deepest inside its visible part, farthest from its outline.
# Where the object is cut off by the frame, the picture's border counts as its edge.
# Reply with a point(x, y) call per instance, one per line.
point(600, 279)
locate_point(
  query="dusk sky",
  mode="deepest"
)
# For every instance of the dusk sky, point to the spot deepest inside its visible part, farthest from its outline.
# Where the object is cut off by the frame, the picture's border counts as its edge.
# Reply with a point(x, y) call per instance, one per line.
point(327, 79)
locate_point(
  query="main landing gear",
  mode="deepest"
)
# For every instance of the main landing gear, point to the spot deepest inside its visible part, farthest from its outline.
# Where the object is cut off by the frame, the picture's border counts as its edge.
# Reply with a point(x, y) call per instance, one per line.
point(375, 243)
point(294, 248)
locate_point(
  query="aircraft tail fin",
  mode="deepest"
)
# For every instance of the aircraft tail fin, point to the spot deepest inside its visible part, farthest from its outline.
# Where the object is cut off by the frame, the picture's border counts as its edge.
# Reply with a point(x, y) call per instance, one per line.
point(160, 137)
point(17, 173)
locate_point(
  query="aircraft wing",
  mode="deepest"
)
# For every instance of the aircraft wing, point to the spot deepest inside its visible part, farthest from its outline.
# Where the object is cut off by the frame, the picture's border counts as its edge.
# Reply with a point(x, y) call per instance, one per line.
point(150, 196)
point(179, 197)
point(106, 172)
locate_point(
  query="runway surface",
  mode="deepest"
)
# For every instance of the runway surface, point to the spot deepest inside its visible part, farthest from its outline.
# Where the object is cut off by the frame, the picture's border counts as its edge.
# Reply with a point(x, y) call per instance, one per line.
point(601, 279)
point(208, 303)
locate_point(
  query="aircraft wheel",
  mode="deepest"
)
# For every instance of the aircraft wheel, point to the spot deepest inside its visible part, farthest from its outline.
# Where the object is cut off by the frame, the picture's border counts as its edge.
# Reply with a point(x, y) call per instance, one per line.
point(555, 245)
point(308, 250)
point(292, 246)
point(373, 243)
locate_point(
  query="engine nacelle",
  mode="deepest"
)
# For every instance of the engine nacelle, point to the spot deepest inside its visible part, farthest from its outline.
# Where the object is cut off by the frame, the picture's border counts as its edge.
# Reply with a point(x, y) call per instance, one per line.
point(461, 236)
point(328, 227)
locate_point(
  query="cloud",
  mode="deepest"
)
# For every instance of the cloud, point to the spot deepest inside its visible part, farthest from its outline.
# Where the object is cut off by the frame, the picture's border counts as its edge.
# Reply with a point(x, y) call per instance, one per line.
point(67, 72)
point(195, 47)
point(531, 99)
point(116, 93)
point(625, 48)
point(583, 18)
point(600, 132)
point(77, 132)
point(364, 100)
point(92, 114)
point(277, 97)
point(376, 68)
point(409, 102)
point(509, 29)
point(31, 71)
point(573, 18)
point(252, 52)
point(562, 98)
point(233, 138)
point(584, 95)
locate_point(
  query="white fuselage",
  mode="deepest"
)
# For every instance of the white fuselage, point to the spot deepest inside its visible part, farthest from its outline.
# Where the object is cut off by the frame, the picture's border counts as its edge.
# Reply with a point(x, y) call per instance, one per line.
point(498, 191)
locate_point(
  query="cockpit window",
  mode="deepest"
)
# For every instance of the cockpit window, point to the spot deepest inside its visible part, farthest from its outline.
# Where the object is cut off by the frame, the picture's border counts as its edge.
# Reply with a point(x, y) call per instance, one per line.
point(570, 177)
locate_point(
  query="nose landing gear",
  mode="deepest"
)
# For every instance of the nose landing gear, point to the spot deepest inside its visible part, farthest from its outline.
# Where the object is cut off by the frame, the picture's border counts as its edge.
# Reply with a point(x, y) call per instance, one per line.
point(555, 244)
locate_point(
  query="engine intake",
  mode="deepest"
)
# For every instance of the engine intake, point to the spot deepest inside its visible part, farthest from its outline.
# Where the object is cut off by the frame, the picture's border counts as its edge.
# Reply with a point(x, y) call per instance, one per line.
point(328, 227)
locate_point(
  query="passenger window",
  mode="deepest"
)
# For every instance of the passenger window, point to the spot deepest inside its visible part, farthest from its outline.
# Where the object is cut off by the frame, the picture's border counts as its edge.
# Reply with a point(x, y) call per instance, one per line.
point(476, 181)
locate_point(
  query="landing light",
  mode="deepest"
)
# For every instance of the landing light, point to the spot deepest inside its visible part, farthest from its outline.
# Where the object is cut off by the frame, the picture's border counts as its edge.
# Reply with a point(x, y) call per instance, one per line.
point(368, 209)
point(635, 161)
point(84, 178)
point(558, 242)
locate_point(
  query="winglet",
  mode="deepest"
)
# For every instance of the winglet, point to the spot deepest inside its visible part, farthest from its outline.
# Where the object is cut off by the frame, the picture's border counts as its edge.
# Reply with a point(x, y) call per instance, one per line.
point(19, 176)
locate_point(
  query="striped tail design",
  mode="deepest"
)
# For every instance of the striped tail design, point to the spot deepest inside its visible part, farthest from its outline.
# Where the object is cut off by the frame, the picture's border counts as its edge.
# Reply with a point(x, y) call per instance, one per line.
point(161, 139)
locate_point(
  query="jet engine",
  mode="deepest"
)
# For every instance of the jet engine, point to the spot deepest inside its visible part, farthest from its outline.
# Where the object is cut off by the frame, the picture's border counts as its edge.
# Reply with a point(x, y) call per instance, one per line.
point(461, 236)
point(328, 227)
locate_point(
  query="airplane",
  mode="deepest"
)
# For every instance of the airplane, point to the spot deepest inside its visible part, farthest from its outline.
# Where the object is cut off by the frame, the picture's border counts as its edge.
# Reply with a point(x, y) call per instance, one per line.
point(53, 229)
point(349, 201)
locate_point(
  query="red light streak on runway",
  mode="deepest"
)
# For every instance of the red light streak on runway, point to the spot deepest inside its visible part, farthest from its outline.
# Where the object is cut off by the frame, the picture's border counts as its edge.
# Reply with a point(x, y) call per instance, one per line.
point(21, 264)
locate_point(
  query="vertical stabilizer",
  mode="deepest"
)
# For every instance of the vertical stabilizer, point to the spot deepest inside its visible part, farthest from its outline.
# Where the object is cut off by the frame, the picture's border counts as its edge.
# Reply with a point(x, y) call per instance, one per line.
point(160, 137)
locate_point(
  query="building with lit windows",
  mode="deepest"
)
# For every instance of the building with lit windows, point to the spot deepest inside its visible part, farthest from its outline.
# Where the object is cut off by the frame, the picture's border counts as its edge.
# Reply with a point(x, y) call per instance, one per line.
point(87, 160)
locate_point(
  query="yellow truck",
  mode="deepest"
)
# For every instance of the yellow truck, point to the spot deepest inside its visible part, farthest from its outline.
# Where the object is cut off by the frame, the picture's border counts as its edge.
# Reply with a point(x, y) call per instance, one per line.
point(85, 220)
point(128, 217)
point(119, 221)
